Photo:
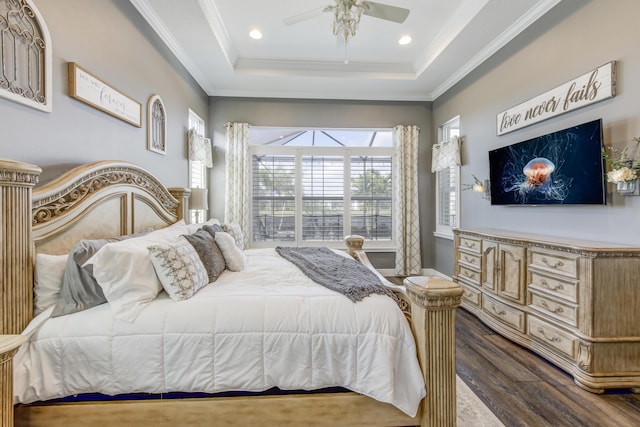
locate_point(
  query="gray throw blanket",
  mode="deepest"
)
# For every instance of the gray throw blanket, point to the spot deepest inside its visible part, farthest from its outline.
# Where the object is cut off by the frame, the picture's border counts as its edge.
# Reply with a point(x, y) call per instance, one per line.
point(335, 272)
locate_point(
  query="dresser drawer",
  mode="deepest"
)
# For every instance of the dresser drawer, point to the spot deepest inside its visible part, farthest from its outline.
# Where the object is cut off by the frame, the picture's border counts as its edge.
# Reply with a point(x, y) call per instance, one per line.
point(470, 294)
point(469, 274)
point(564, 264)
point(470, 259)
point(562, 288)
point(564, 312)
point(551, 336)
point(470, 244)
point(504, 313)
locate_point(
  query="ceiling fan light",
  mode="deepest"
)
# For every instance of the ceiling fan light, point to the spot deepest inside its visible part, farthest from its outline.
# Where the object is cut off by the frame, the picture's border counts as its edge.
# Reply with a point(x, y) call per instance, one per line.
point(405, 40)
point(346, 17)
point(255, 34)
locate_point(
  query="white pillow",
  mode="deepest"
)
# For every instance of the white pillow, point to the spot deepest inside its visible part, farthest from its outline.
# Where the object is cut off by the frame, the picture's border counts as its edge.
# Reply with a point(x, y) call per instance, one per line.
point(125, 273)
point(179, 268)
point(233, 256)
point(49, 270)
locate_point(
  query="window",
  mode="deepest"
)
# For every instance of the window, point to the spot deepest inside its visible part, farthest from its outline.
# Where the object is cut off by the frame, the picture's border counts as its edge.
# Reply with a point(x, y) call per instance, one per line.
point(197, 169)
point(448, 186)
point(313, 187)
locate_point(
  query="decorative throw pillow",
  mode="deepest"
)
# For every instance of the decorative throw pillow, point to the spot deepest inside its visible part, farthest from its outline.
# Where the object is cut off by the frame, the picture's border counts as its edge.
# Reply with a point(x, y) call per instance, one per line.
point(125, 273)
point(213, 229)
point(233, 256)
point(208, 251)
point(193, 227)
point(179, 268)
point(236, 232)
point(48, 273)
point(80, 290)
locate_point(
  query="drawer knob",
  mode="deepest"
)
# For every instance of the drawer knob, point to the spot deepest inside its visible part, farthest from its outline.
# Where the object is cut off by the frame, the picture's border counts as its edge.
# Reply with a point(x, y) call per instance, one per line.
point(468, 259)
point(470, 245)
point(552, 265)
point(555, 310)
point(558, 287)
point(499, 313)
point(552, 339)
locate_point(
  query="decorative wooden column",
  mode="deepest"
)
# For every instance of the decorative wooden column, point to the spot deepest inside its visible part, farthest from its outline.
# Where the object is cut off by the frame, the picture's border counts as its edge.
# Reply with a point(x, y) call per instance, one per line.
point(433, 315)
point(16, 248)
point(8, 346)
point(181, 194)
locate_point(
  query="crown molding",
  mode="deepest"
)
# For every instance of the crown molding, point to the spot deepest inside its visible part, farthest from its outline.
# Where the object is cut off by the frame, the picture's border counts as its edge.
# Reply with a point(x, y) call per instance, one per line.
point(154, 21)
point(505, 37)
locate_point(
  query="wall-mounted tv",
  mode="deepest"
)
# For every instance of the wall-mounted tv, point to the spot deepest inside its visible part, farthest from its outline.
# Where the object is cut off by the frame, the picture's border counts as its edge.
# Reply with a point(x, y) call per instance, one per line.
point(561, 168)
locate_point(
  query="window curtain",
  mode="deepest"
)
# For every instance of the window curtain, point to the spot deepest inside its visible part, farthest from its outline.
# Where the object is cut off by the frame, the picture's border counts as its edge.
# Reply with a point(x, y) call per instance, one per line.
point(237, 173)
point(200, 148)
point(405, 180)
point(446, 154)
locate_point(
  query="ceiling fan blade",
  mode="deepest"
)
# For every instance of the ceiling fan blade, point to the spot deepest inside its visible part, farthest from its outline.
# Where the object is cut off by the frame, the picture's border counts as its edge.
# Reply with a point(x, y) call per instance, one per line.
point(385, 11)
point(310, 14)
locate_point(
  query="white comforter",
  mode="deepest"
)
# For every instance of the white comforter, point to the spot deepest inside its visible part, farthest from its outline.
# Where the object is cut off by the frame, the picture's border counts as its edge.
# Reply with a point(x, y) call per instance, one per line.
point(267, 326)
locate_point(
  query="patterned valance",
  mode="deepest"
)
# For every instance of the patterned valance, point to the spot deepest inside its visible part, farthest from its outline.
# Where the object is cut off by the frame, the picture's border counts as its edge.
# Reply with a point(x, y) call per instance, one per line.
point(446, 154)
point(200, 148)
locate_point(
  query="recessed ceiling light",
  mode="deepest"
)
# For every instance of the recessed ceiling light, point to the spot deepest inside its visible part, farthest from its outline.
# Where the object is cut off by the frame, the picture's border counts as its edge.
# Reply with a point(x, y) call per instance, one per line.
point(255, 34)
point(404, 40)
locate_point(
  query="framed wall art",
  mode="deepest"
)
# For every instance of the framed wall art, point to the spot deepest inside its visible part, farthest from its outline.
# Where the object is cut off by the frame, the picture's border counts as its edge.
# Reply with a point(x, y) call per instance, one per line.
point(93, 91)
point(156, 125)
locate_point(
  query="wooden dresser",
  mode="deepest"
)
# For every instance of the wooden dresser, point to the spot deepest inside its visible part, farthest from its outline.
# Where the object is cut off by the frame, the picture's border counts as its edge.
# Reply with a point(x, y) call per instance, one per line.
point(576, 303)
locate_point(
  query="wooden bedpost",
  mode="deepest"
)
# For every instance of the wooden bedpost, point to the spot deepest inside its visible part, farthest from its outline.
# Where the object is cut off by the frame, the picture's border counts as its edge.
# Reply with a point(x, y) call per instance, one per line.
point(16, 248)
point(433, 303)
point(433, 315)
point(181, 194)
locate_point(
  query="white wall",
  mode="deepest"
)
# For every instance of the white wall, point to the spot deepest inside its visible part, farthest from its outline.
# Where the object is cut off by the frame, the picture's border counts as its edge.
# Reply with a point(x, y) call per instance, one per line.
point(572, 39)
point(111, 40)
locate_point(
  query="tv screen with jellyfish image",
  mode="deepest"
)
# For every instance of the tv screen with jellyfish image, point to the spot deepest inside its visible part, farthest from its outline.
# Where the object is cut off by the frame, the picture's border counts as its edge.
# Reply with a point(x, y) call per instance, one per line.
point(560, 168)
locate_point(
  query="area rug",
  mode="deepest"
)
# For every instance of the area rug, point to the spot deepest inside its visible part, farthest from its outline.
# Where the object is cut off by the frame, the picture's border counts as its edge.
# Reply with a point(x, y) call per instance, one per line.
point(472, 412)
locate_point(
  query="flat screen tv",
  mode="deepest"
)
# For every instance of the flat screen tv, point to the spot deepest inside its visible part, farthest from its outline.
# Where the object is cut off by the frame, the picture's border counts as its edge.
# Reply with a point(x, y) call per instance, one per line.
point(561, 168)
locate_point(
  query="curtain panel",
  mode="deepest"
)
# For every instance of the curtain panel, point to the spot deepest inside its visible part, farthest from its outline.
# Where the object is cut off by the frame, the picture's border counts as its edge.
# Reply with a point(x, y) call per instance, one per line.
point(237, 187)
point(407, 223)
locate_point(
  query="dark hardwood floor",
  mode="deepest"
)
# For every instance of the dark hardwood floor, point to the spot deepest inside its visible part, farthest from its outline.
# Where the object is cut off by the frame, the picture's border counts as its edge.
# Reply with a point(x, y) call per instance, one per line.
point(522, 389)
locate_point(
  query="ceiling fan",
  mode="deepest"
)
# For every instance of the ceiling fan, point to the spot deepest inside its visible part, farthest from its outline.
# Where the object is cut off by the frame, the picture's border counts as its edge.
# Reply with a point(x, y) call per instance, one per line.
point(347, 13)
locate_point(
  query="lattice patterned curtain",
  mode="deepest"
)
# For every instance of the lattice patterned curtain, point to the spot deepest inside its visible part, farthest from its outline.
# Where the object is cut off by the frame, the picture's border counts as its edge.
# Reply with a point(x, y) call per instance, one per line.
point(200, 148)
point(237, 177)
point(405, 180)
point(446, 154)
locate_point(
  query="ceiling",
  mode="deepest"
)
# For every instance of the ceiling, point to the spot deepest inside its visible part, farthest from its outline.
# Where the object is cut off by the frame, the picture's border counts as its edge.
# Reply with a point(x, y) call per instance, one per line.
point(305, 60)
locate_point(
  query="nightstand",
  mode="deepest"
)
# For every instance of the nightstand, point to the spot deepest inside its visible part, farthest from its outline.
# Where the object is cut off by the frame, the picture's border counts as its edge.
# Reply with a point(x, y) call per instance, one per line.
point(8, 346)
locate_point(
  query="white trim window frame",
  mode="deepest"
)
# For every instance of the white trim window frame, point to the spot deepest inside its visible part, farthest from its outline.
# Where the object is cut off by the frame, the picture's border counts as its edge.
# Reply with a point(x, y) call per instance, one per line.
point(197, 169)
point(448, 186)
point(301, 155)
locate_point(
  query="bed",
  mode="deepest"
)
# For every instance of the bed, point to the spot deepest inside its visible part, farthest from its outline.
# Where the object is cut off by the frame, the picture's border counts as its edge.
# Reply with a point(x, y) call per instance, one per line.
point(104, 199)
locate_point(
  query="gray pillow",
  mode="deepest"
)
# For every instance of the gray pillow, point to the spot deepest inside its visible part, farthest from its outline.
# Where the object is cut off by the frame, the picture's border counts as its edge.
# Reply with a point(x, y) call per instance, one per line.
point(79, 289)
point(208, 251)
point(213, 229)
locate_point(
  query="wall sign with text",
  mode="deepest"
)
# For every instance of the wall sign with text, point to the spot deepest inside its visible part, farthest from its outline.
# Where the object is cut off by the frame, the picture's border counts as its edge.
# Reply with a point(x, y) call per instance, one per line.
point(89, 89)
point(591, 87)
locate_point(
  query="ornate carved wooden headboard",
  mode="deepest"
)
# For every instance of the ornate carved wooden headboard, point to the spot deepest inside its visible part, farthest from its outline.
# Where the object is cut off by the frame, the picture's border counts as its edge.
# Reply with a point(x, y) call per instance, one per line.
point(96, 200)
point(101, 199)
